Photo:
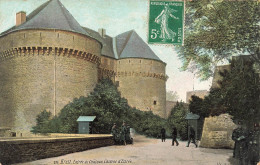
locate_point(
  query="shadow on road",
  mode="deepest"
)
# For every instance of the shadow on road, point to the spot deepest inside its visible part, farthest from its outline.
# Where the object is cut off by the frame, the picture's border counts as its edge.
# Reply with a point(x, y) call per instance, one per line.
point(143, 139)
point(216, 151)
point(233, 161)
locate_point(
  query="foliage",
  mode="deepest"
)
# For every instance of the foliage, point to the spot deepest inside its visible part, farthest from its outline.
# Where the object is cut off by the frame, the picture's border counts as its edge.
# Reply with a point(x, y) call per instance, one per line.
point(149, 124)
point(240, 91)
point(177, 119)
point(238, 94)
point(42, 121)
point(216, 30)
point(199, 106)
point(109, 107)
point(213, 104)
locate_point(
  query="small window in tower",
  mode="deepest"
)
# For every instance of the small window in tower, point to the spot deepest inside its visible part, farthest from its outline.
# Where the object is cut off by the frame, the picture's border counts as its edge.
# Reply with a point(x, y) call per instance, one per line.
point(154, 102)
point(105, 61)
point(129, 61)
point(119, 62)
point(140, 61)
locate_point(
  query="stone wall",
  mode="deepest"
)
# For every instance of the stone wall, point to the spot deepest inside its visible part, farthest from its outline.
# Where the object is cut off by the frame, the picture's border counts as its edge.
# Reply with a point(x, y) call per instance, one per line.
point(24, 150)
point(217, 132)
point(107, 68)
point(41, 69)
point(142, 83)
point(169, 106)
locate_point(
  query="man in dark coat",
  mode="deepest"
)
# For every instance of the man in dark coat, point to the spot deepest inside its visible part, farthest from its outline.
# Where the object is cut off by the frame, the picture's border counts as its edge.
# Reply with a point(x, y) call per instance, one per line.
point(174, 136)
point(114, 132)
point(192, 137)
point(128, 136)
point(240, 136)
point(163, 134)
point(123, 133)
point(253, 145)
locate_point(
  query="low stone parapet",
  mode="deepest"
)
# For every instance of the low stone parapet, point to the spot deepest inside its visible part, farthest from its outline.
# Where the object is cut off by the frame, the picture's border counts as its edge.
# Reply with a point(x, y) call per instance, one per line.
point(16, 150)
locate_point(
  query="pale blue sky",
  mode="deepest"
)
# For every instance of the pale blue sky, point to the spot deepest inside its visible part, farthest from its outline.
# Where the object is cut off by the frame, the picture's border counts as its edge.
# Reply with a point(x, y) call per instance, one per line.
point(116, 16)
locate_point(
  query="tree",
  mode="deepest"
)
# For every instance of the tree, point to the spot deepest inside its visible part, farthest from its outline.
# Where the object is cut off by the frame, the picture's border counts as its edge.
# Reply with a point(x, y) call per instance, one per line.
point(216, 30)
point(42, 122)
point(198, 106)
point(240, 91)
point(106, 103)
point(238, 95)
point(213, 104)
point(177, 119)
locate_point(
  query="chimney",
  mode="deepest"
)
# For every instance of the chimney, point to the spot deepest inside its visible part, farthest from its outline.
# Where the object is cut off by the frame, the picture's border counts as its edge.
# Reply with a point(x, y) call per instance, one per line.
point(20, 18)
point(102, 32)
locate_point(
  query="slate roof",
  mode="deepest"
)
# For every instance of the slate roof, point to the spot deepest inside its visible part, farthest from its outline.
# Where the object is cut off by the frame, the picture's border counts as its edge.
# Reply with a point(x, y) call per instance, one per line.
point(86, 118)
point(191, 116)
point(53, 15)
point(107, 42)
point(50, 15)
point(131, 45)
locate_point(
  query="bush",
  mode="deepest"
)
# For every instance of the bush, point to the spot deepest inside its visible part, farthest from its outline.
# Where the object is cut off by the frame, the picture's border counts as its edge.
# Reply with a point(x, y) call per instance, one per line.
point(109, 107)
point(42, 123)
point(177, 119)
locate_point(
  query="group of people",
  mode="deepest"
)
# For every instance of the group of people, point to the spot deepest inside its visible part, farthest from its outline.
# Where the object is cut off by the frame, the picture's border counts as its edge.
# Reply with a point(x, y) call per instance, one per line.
point(121, 135)
point(191, 137)
point(246, 149)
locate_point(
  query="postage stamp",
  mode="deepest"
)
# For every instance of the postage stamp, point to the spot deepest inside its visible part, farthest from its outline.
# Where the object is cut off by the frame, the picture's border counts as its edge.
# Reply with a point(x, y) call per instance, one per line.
point(166, 22)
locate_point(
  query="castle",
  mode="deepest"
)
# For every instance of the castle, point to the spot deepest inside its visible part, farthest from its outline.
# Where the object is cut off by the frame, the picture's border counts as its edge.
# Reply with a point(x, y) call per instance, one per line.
point(47, 59)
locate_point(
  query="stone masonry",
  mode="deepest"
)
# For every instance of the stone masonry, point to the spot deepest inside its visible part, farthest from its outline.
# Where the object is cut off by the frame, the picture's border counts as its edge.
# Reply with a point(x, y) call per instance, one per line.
point(47, 62)
point(39, 73)
point(24, 150)
point(217, 132)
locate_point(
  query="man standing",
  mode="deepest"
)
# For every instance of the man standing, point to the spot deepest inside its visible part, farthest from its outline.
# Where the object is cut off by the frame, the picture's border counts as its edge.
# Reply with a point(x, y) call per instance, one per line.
point(128, 136)
point(174, 136)
point(114, 132)
point(163, 134)
point(253, 146)
point(240, 136)
point(192, 137)
point(123, 133)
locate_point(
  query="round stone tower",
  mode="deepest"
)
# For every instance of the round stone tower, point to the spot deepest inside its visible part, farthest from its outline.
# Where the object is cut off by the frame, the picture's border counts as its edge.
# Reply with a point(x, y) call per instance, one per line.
point(140, 74)
point(44, 64)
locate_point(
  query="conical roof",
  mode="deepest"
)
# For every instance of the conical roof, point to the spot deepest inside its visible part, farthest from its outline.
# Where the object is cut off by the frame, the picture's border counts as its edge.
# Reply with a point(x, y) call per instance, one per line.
point(131, 45)
point(107, 42)
point(121, 41)
point(51, 15)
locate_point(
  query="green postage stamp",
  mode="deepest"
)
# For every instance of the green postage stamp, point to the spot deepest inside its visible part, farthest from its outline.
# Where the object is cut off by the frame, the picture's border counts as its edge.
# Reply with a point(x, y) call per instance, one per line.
point(166, 22)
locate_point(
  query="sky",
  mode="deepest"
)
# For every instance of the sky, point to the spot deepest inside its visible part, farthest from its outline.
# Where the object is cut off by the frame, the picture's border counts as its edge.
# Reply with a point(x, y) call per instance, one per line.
point(116, 16)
